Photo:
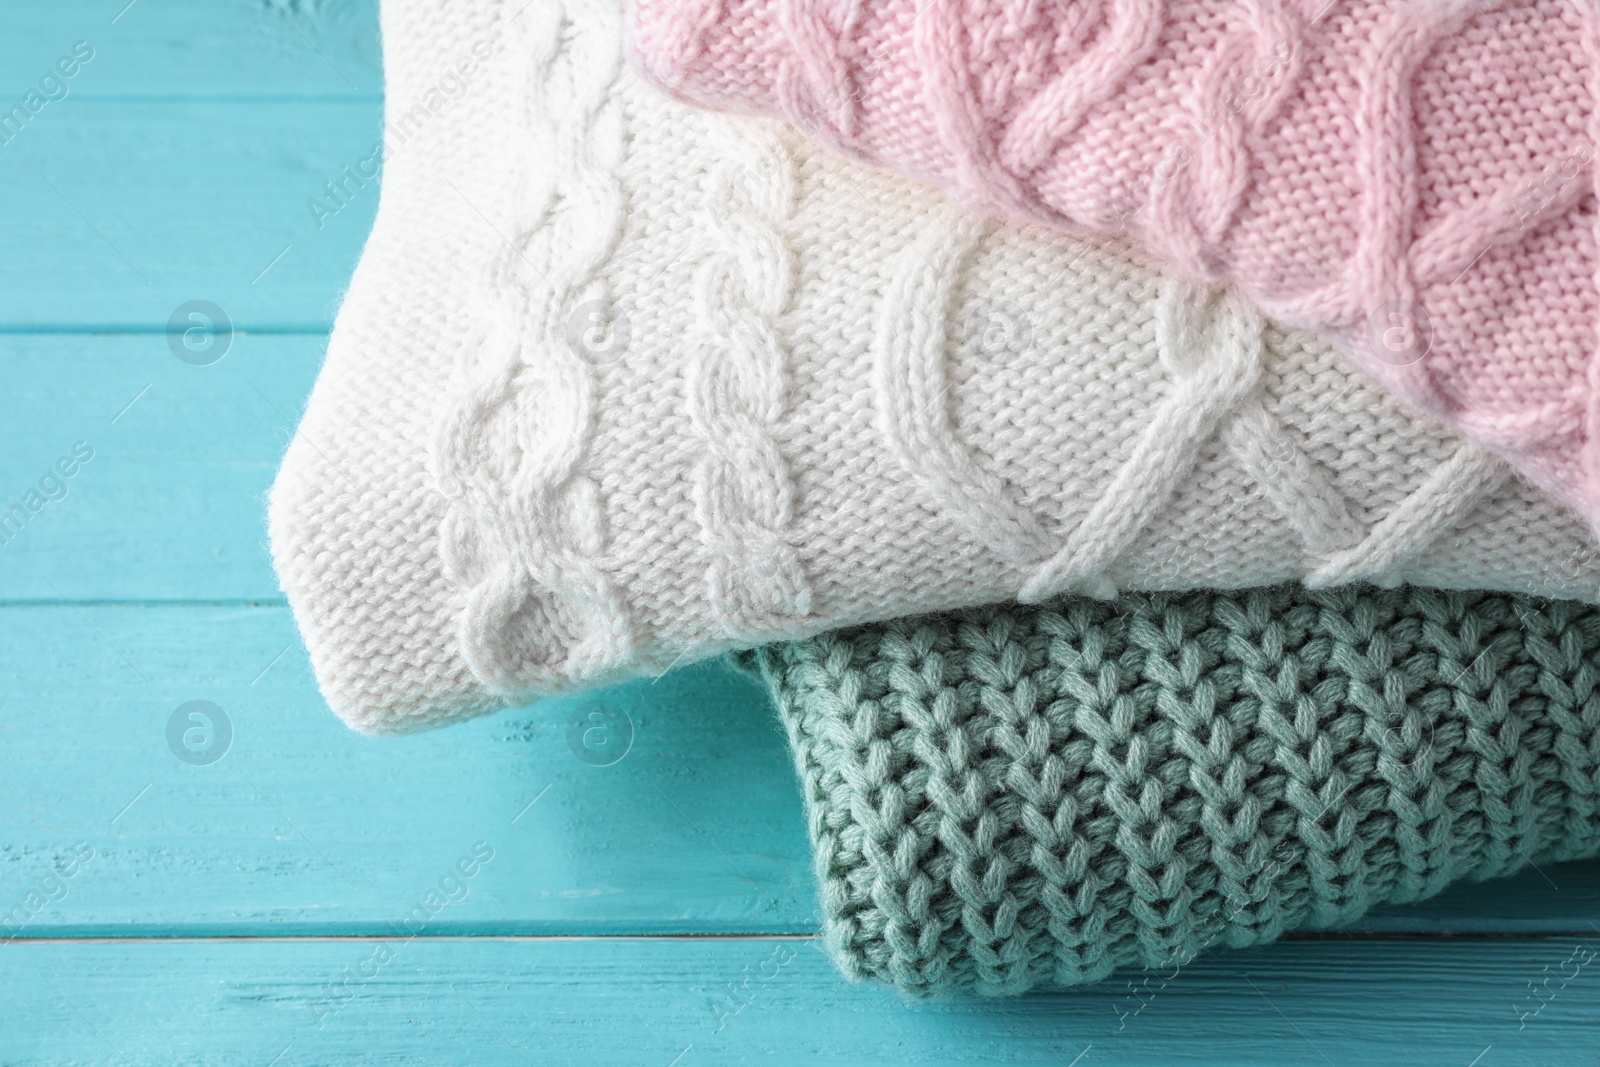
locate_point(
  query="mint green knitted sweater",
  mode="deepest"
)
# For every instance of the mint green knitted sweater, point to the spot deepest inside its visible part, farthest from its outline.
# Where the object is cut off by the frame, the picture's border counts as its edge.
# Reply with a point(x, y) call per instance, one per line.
point(1017, 796)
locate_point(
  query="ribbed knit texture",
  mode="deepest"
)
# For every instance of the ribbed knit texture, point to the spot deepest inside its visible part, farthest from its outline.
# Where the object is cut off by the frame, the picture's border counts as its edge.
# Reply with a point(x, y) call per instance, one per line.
point(1415, 178)
point(1010, 797)
point(620, 384)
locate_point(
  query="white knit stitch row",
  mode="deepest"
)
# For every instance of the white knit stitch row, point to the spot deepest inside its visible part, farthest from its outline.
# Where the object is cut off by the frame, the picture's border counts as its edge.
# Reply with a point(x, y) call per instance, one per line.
point(1215, 367)
point(1296, 485)
point(527, 523)
point(1449, 493)
point(735, 388)
point(909, 385)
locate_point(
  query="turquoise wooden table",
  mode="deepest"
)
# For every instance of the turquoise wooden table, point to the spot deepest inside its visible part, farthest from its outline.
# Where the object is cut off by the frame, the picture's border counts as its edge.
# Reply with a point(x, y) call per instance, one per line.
point(243, 881)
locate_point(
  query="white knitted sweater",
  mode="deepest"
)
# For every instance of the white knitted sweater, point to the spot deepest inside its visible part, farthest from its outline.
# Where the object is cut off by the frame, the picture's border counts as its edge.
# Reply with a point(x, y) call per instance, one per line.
point(620, 385)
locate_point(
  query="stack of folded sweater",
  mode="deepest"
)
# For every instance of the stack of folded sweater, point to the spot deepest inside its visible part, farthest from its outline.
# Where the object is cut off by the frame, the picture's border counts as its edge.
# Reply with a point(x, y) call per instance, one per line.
point(1182, 535)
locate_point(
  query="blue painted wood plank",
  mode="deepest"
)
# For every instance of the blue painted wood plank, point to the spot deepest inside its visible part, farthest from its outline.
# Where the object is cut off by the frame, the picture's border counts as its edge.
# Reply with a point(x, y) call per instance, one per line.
point(304, 827)
point(211, 49)
point(177, 160)
point(700, 1002)
point(120, 211)
point(171, 503)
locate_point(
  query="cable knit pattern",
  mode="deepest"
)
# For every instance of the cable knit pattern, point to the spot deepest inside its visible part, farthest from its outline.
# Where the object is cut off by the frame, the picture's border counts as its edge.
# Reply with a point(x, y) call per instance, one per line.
point(1011, 797)
point(909, 347)
point(743, 494)
point(1413, 178)
point(1210, 379)
point(526, 523)
point(620, 383)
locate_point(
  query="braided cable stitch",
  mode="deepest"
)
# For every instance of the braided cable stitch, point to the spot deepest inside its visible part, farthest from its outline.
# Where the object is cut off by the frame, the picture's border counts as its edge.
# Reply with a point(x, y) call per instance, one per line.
point(1414, 178)
point(1211, 379)
point(1211, 347)
point(1011, 797)
point(818, 82)
point(526, 523)
point(744, 497)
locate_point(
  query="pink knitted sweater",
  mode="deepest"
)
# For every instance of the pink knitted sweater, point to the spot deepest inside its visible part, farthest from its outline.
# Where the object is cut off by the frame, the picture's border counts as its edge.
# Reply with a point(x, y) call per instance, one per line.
point(1414, 177)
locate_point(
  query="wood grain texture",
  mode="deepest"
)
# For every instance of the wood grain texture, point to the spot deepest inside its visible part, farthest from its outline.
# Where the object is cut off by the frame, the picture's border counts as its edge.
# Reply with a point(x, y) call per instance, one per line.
point(179, 162)
point(202, 201)
point(177, 167)
point(305, 827)
point(166, 50)
point(172, 506)
point(698, 1002)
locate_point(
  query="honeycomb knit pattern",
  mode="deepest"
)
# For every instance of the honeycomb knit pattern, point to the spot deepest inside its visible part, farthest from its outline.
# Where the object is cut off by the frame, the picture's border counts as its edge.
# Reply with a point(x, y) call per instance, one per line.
point(621, 384)
point(1011, 797)
point(1414, 178)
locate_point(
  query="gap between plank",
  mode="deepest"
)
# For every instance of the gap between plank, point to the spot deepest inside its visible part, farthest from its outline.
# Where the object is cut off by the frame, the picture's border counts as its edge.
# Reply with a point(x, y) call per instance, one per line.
point(1354, 935)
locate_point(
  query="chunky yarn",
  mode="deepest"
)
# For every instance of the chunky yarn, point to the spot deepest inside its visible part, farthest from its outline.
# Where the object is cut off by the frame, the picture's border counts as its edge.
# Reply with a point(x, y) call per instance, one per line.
point(621, 384)
point(1012, 797)
point(1415, 178)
